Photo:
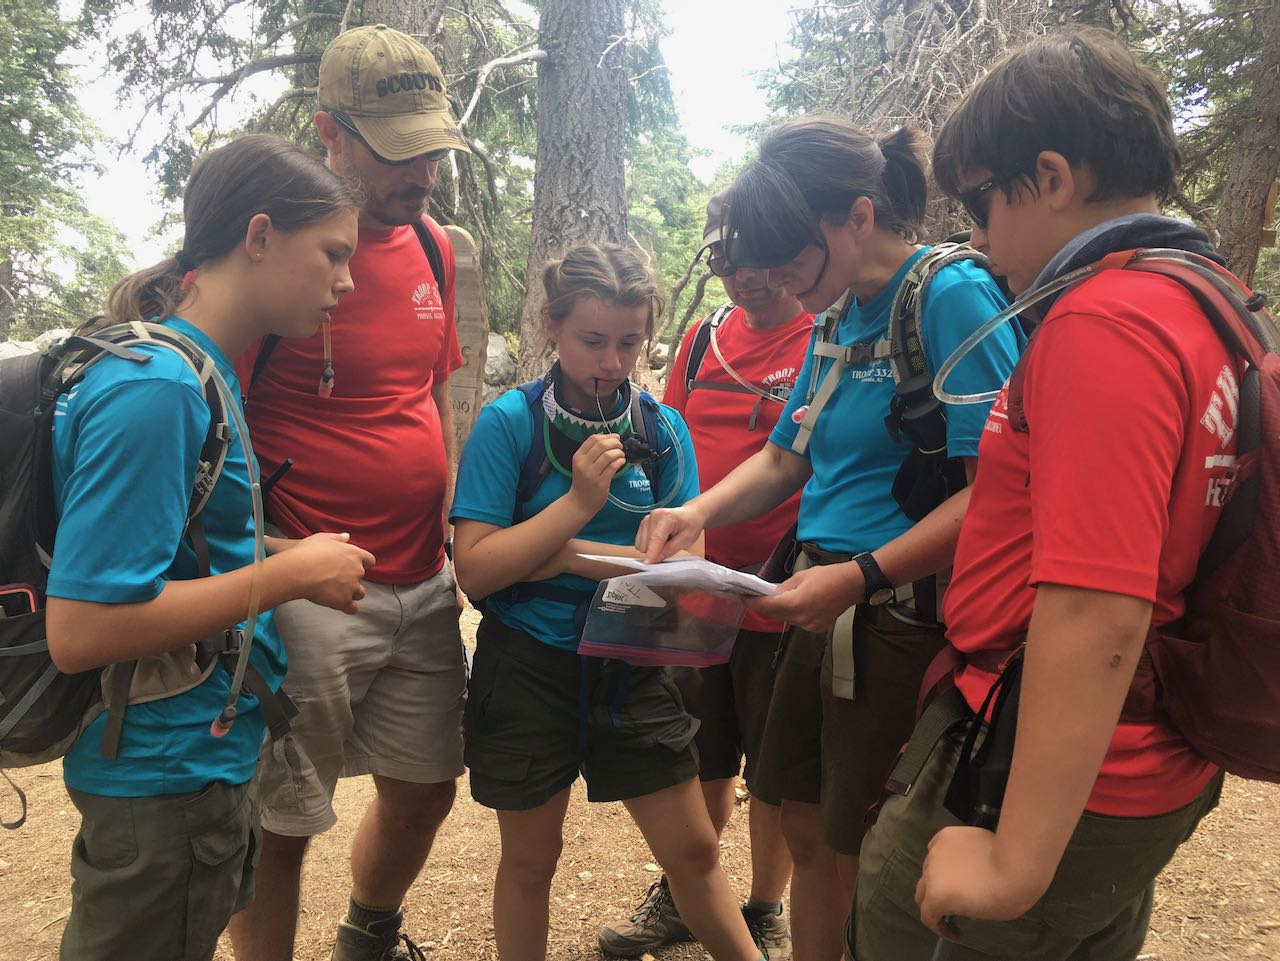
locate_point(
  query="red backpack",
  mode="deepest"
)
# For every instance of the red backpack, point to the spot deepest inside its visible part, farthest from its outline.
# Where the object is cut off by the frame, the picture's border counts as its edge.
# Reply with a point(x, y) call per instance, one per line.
point(1214, 674)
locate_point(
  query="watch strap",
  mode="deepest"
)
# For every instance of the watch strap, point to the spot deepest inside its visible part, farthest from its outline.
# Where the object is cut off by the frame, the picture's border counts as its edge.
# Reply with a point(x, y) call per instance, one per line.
point(878, 589)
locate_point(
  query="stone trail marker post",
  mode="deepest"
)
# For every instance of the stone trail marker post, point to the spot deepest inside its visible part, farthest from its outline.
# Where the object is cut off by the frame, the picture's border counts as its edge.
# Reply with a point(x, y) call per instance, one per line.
point(471, 315)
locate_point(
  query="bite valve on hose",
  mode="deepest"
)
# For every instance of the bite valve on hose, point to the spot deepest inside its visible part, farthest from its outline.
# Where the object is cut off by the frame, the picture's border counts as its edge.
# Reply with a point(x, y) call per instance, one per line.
point(223, 722)
point(326, 382)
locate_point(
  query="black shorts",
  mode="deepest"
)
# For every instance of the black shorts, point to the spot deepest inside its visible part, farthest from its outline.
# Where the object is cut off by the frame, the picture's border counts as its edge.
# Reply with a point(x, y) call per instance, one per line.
point(821, 749)
point(528, 735)
point(731, 702)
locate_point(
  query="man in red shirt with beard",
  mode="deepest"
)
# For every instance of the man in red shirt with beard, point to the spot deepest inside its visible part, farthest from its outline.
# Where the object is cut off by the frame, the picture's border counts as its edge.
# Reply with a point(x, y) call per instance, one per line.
point(362, 411)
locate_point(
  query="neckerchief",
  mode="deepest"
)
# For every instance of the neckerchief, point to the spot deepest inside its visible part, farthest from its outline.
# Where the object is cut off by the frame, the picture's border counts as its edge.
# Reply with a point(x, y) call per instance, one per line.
point(565, 427)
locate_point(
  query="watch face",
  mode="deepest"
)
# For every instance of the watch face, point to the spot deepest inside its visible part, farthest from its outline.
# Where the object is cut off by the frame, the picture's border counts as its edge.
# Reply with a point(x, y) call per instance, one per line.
point(882, 596)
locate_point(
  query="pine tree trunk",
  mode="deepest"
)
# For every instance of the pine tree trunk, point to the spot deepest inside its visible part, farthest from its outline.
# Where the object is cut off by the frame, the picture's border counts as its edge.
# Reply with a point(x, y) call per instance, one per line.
point(1255, 160)
point(6, 298)
point(578, 186)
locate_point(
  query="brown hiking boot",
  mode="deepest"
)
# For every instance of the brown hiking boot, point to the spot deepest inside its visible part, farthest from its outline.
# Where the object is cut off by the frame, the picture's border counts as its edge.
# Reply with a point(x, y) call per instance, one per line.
point(654, 923)
point(381, 941)
point(770, 932)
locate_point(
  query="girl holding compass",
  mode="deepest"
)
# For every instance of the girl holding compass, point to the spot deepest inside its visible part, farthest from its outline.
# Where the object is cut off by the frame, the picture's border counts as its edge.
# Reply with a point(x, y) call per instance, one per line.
point(551, 470)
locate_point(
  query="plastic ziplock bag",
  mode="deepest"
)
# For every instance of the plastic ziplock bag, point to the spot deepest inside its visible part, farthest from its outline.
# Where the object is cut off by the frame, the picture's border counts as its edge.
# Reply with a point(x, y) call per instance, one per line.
point(638, 619)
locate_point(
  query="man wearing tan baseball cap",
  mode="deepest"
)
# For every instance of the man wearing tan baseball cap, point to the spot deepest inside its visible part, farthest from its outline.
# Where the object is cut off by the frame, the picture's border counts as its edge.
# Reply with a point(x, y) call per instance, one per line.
point(361, 409)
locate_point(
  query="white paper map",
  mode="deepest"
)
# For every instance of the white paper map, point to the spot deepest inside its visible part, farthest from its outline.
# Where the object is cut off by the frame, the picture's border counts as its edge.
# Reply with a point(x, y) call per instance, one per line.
point(693, 573)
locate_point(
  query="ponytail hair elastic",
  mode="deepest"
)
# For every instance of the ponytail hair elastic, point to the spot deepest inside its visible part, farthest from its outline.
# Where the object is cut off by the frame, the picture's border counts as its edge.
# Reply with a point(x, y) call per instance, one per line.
point(188, 267)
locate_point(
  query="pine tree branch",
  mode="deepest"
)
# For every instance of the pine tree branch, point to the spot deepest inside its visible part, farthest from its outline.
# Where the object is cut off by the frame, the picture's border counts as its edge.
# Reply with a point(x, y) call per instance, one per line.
point(482, 76)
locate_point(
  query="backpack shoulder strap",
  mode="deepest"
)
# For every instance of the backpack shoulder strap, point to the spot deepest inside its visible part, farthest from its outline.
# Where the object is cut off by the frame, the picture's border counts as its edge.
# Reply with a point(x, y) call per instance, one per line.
point(432, 250)
point(907, 357)
point(1238, 315)
point(701, 341)
point(842, 357)
point(1240, 319)
point(536, 465)
point(269, 344)
point(212, 458)
point(116, 340)
point(644, 421)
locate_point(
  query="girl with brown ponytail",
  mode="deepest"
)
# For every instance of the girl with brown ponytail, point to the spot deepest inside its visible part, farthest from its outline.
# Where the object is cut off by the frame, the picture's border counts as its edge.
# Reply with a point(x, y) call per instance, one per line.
point(538, 714)
point(167, 840)
point(833, 214)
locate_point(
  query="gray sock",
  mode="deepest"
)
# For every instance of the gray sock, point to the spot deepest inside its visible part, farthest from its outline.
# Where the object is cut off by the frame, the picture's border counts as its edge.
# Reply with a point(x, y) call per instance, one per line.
point(756, 906)
point(362, 915)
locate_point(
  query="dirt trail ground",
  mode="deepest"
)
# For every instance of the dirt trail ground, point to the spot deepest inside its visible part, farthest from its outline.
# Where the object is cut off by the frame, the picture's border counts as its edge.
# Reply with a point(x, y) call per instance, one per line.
point(1218, 901)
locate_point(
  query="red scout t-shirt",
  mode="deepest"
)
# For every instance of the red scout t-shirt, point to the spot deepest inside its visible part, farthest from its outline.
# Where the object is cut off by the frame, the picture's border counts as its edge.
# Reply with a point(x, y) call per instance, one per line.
point(719, 423)
point(370, 459)
point(1131, 404)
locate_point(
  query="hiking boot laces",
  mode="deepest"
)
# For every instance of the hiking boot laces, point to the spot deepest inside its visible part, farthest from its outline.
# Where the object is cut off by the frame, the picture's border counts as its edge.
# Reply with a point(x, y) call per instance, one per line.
point(406, 950)
point(655, 901)
point(770, 934)
point(654, 922)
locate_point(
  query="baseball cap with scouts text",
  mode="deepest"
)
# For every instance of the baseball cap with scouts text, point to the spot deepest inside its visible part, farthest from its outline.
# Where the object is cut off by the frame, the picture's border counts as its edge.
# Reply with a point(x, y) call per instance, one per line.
point(391, 89)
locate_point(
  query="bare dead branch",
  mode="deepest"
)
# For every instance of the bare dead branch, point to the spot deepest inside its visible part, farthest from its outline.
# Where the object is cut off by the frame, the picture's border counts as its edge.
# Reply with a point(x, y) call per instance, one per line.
point(482, 76)
point(609, 49)
point(345, 22)
point(675, 339)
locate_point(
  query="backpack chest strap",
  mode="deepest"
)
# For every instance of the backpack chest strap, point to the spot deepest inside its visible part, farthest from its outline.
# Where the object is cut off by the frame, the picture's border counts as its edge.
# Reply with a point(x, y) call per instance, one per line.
point(843, 356)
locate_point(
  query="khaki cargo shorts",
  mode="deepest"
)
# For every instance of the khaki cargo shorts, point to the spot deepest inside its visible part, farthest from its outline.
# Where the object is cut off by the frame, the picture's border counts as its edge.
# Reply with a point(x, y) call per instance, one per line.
point(378, 692)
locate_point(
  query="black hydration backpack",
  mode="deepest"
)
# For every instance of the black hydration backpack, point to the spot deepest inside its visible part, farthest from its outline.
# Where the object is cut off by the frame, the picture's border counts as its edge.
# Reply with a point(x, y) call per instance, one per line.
point(704, 339)
point(916, 418)
point(43, 711)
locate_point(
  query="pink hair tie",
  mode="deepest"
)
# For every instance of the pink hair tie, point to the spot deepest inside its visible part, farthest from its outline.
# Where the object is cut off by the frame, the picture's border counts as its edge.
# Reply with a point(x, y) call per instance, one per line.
point(188, 279)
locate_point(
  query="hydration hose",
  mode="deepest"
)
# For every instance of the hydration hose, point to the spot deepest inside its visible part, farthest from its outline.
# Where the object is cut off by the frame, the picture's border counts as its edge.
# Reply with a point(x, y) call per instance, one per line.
point(986, 330)
point(227, 716)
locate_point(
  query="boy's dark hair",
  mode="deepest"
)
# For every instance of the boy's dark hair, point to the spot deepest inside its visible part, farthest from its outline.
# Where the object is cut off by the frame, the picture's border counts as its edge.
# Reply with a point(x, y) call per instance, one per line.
point(815, 167)
point(1081, 93)
point(228, 186)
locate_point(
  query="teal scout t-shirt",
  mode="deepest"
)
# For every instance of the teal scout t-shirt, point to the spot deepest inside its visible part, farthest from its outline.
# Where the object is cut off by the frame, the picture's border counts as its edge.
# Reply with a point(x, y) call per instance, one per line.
point(489, 473)
point(126, 442)
point(846, 504)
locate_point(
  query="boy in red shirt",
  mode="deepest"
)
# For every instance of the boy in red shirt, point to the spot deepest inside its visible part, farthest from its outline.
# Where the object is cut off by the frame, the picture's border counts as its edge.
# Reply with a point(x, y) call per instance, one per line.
point(1083, 530)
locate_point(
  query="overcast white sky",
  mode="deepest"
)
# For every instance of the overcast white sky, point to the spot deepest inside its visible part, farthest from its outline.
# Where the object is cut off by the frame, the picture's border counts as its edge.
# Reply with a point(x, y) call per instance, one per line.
point(715, 50)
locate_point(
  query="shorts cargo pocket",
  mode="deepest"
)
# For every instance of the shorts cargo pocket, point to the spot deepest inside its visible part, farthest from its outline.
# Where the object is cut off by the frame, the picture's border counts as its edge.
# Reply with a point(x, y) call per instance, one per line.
point(483, 697)
point(498, 762)
point(281, 777)
point(498, 776)
point(221, 836)
point(652, 713)
point(889, 918)
point(108, 836)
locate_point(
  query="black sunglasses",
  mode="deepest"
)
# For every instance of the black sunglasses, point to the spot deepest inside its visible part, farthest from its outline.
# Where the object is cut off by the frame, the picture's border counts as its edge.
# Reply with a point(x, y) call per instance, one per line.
point(433, 156)
point(718, 263)
point(975, 201)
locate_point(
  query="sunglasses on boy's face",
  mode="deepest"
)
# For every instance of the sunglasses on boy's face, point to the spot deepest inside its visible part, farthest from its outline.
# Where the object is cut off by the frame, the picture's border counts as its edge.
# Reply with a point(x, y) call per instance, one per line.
point(433, 156)
point(977, 203)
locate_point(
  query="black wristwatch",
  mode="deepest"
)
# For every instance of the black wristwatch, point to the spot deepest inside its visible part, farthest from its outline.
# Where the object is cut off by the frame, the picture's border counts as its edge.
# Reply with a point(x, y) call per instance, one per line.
point(878, 589)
